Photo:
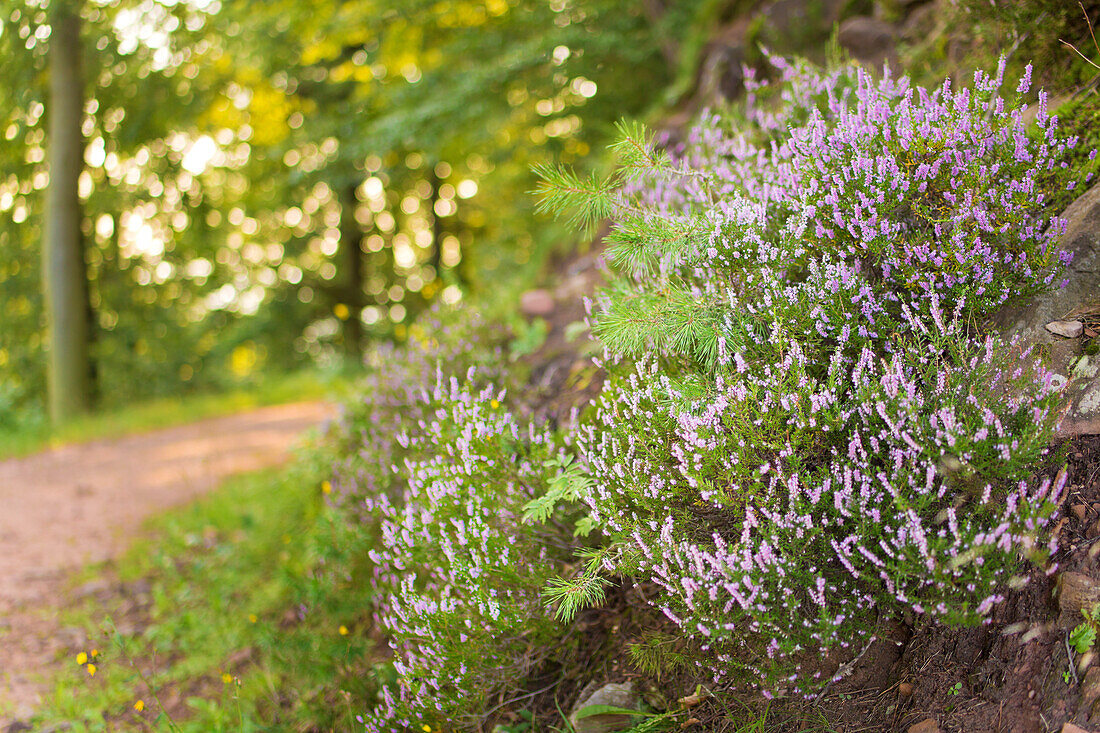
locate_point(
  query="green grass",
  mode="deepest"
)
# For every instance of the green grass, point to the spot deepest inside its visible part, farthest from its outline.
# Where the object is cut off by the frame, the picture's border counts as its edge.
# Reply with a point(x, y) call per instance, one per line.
point(235, 626)
point(169, 411)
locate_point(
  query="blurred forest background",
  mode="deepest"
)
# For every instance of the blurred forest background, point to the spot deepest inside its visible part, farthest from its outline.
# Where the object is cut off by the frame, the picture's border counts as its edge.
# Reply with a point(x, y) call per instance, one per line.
point(243, 188)
point(232, 191)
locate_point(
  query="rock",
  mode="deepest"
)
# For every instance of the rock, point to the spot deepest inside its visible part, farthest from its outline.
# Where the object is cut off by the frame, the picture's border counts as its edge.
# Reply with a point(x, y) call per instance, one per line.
point(1079, 511)
point(536, 303)
point(905, 689)
point(1071, 728)
point(1084, 413)
point(869, 40)
point(1066, 329)
point(620, 695)
point(1082, 239)
point(928, 725)
point(1090, 691)
point(1077, 375)
point(1076, 592)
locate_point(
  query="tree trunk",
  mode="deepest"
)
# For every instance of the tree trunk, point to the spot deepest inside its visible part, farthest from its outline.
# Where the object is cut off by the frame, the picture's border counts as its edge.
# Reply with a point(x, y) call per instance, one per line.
point(437, 227)
point(351, 246)
point(64, 268)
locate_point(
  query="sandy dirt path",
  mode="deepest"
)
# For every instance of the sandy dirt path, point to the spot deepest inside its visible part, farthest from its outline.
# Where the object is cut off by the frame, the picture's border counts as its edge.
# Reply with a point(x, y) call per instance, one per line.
point(80, 504)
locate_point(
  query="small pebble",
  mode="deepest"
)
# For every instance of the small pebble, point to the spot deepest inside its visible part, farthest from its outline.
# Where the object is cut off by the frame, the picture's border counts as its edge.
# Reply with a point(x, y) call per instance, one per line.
point(928, 725)
point(1068, 329)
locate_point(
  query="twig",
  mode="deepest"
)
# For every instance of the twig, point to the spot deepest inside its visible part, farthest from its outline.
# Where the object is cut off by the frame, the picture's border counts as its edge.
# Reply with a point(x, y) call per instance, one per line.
point(490, 711)
point(1088, 22)
point(1069, 653)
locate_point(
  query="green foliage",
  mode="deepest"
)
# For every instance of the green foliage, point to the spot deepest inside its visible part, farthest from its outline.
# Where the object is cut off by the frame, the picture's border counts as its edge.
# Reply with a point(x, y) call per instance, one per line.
point(587, 588)
point(1084, 634)
point(658, 654)
point(588, 199)
point(269, 186)
point(566, 488)
point(590, 710)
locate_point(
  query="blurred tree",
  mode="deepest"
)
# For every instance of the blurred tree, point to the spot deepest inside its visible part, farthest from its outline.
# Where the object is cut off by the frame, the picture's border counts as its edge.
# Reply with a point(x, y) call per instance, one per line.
point(416, 123)
point(271, 183)
point(65, 281)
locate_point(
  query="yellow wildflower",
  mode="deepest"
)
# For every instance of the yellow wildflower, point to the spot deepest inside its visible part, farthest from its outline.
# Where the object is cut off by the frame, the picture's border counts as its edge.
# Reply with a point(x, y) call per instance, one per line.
point(343, 630)
point(91, 669)
point(252, 618)
point(427, 728)
point(139, 705)
point(227, 678)
point(494, 404)
point(326, 487)
point(82, 658)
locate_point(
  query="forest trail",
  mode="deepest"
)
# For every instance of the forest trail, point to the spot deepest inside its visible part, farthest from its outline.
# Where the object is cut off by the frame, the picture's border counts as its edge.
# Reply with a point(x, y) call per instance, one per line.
point(65, 508)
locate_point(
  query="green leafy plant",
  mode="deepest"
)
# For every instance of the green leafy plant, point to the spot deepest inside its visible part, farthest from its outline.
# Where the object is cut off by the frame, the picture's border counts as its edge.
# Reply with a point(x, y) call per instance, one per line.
point(659, 653)
point(1084, 634)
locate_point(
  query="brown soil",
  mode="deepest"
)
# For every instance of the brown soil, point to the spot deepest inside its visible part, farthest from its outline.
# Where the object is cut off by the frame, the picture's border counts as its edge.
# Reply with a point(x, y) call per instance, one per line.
point(81, 504)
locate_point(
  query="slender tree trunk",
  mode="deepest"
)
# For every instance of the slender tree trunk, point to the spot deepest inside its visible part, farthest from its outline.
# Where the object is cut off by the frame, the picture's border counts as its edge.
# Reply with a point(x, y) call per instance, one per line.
point(437, 227)
point(351, 246)
point(64, 268)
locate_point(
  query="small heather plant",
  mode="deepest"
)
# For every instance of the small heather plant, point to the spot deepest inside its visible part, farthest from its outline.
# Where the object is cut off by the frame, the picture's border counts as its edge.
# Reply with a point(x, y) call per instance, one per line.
point(806, 428)
point(458, 575)
point(430, 505)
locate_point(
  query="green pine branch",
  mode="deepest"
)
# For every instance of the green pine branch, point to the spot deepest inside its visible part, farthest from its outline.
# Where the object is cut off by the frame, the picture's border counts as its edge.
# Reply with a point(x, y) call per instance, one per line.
point(586, 200)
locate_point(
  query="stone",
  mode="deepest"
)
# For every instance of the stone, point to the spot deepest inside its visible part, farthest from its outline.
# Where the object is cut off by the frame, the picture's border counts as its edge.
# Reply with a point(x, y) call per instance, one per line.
point(1076, 592)
point(1082, 239)
point(869, 40)
point(1090, 691)
point(928, 725)
point(905, 689)
point(1071, 728)
point(620, 695)
point(1079, 511)
point(1066, 329)
point(1077, 375)
point(536, 303)
point(720, 75)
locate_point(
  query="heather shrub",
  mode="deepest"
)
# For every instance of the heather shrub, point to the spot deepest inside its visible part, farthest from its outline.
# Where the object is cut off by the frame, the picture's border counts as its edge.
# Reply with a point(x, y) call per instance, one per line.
point(434, 468)
point(390, 399)
point(457, 575)
point(807, 428)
